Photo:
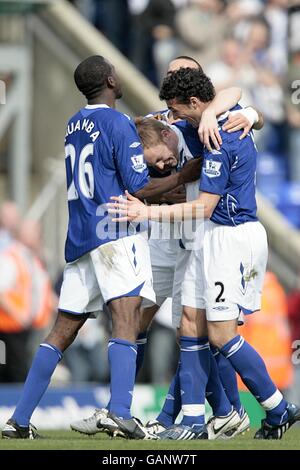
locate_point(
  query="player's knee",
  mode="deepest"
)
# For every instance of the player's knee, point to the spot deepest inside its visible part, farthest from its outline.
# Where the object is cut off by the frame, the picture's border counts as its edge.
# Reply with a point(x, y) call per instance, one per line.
point(65, 330)
point(216, 340)
point(193, 323)
point(219, 336)
point(188, 328)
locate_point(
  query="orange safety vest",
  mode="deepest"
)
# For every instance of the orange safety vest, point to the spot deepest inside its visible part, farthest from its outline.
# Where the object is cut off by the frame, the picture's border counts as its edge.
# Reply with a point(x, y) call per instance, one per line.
point(19, 296)
point(268, 332)
point(45, 306)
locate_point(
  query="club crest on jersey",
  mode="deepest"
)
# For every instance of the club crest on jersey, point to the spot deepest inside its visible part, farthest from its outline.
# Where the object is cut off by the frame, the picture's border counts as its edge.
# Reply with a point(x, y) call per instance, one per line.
point(212, 168)
point(138, 163)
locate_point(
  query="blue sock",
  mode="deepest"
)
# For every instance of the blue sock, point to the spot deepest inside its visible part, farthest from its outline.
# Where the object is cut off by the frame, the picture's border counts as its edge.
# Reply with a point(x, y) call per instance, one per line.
point(122, 359)
point(194, 371)
point(38, 379)
point(141, 344)
point(252, 370)
point(172, 404)
point(228, 378)
point(215, 393)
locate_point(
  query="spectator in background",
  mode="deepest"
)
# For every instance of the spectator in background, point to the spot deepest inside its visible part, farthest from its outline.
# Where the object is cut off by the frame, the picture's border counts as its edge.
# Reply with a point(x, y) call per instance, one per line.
point(293, 112)
point(266, 88)
point(10, 218)
point(277, 17)
point(201, 26)
point(270, 335)
point(44, 300)
point(111, 17)
point(231, 69)
point(153, 27)
point(15, 309)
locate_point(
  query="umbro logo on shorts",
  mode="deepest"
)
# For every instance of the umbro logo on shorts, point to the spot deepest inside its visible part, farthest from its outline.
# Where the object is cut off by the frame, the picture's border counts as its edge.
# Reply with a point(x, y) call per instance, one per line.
point(221, 307)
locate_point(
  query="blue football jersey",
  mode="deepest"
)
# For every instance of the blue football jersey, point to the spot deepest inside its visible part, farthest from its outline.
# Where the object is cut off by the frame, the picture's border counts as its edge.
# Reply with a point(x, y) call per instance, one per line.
point(230, 172)
point(104, 157)
point(191, 137)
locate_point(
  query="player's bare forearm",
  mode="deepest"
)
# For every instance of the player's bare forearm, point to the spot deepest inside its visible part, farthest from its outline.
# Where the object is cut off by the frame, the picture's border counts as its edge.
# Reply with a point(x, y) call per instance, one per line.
point(201, 208)
point(131, 208)
point(177, 195)
point(208, 127)
point(261, 121)
point(225, 99)
point(158, 186)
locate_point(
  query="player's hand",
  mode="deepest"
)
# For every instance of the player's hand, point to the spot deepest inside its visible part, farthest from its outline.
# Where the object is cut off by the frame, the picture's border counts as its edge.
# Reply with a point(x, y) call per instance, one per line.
point(191, 171)
point(129, 209)
point(176, 196)
point(208, 130)
point(236, 122)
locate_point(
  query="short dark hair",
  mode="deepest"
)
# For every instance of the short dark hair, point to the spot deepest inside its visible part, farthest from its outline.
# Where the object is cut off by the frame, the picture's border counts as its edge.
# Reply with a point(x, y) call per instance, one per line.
point(187, 57)
point(185, 83)
point(91, 76)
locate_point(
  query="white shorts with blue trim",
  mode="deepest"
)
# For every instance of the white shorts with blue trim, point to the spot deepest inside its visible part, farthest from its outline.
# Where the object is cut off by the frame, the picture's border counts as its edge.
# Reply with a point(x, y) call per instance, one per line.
point(225, 276)
point(120, 268)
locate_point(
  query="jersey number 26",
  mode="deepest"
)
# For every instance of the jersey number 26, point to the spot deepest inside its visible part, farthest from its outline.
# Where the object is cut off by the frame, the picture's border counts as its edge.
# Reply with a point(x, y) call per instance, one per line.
point(85, 172)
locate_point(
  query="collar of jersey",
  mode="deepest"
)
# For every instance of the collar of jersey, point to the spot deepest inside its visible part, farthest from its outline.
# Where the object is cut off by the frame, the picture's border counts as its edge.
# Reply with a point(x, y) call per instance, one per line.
point(94, 106)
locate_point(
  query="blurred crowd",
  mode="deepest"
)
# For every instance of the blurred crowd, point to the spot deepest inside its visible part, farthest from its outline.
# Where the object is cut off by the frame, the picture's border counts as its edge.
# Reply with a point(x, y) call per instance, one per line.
point(27, 300)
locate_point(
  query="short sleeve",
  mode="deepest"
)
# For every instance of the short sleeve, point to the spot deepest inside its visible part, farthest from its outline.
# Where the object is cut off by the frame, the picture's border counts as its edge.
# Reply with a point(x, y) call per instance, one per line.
point(128, 154)
point(215, 171)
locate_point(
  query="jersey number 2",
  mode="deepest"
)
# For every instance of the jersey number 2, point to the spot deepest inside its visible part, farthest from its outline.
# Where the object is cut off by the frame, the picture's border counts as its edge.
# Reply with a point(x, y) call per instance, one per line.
point(219, 297)
point(85, 173)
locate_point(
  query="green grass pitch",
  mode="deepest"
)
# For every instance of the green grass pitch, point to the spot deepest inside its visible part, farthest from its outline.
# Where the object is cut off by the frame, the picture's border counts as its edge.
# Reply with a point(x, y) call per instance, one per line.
point(70, 440)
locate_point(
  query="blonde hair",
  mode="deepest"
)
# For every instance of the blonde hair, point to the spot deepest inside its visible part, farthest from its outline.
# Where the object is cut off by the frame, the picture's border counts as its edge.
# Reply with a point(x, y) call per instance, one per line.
point(150, 131)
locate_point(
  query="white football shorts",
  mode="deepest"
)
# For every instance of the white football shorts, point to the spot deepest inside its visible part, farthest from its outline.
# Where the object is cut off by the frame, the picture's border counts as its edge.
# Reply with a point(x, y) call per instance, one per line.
point(163, 254)
point(120, 268)
point(182, 263)
point(225, 276)
point(169, 262)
